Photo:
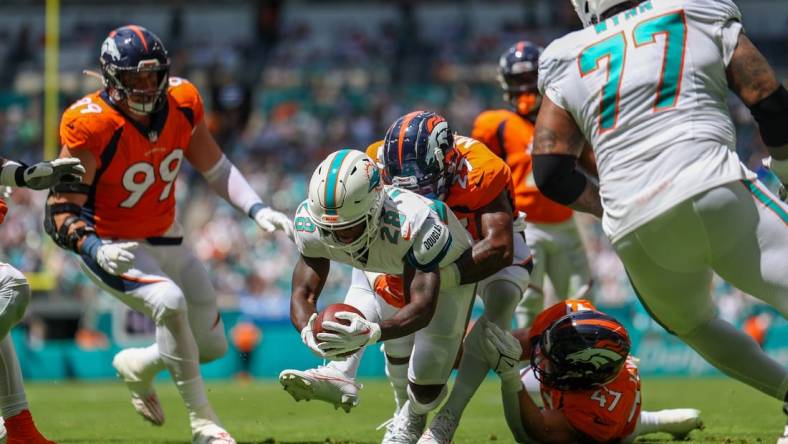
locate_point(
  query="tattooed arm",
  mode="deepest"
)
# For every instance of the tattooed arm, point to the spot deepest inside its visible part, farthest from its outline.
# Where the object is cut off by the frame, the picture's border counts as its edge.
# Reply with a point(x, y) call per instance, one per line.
point(558, 144)
point(752, 78)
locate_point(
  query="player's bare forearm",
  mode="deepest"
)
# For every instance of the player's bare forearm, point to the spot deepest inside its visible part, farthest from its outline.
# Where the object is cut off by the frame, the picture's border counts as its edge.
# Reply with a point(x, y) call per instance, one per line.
point(495, 250)
point(421, 294)
point(309, 276)
point(545, 426)
point(752, 78)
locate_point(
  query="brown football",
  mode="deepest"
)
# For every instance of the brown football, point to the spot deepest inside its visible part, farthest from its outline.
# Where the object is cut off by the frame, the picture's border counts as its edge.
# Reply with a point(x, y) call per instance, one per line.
point(327, 314)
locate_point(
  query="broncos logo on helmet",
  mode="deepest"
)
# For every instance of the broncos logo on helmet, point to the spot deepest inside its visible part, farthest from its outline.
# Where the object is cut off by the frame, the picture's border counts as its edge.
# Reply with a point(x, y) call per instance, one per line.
point(135, 69)
point(418, 154)
point(581, 350)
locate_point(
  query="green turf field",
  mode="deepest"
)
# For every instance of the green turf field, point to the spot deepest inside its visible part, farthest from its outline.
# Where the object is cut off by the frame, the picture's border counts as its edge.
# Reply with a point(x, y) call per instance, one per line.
point(261, 412)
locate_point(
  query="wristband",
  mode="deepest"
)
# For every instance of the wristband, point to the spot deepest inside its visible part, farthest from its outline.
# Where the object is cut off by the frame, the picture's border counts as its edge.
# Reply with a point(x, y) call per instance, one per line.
point(255, 209)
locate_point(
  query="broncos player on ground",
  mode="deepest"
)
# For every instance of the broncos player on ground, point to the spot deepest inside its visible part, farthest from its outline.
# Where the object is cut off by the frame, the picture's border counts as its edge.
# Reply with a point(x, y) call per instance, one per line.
point(646, 84)
point(421, 154)
point(588, 383)
point(132, 137)
point(19, 427)
point(351, 217)
point(552, 232)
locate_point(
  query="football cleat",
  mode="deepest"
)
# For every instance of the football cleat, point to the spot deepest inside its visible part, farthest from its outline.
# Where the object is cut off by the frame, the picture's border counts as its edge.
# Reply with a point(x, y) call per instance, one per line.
point(21, 429)
point(783, 439)
point(322, 383)
point(679, 422)
point(211, 434)
point(3, 434)
point(405, 427)
point(143, 396)
point(441, 429)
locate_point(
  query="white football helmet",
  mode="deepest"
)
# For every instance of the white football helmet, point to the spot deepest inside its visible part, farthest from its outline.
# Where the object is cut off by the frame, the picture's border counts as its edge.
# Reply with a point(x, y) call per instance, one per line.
point(345, 191)
point(590, 11)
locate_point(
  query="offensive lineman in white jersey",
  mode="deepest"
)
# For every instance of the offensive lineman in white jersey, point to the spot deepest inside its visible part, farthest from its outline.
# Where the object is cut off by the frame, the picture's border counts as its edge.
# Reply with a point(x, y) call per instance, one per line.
point(646, 83)
point(350, 217)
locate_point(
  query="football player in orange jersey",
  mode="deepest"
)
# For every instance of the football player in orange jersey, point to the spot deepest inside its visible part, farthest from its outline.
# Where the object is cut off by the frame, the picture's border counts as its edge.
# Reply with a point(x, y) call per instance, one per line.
point(132, 137)
point(551, 232)
point(588, 382)
point(420, 153)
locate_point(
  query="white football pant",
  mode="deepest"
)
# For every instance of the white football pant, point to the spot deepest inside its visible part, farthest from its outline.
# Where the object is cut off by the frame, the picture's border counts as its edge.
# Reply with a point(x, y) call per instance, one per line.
point(738, 230)
point(14, 298)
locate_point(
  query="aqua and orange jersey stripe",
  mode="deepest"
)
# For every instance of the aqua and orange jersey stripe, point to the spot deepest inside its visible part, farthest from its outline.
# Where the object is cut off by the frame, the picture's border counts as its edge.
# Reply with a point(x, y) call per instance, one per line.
point(764, 198)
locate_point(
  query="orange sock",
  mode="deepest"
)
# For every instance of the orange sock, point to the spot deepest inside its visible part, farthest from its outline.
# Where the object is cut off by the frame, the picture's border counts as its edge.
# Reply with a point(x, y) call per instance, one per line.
point(22, 430)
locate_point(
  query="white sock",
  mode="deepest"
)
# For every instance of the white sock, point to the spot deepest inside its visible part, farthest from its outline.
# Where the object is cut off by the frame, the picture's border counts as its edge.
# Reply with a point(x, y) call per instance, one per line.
point(348, 367)
point(12, 389)
point(739, 356)
point(178, 350)
point(471, 372)
point(398, 378)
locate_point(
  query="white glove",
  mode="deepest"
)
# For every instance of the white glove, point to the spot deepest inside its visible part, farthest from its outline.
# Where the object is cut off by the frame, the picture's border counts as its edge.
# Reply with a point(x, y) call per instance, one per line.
point(271, 220)
point(116, 259)
point(308, 338)
point(502, 352)
point(47, 174)
point(338, 339)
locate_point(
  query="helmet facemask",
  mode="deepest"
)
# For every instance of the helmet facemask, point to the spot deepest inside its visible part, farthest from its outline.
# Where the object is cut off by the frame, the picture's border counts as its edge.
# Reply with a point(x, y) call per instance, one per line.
point(520, 90)
point(141, 88)
point(359, 246)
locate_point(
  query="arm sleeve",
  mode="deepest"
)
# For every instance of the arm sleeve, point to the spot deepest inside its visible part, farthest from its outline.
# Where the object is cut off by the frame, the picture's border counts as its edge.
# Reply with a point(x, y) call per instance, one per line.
point(225, 179)
point(430, 245)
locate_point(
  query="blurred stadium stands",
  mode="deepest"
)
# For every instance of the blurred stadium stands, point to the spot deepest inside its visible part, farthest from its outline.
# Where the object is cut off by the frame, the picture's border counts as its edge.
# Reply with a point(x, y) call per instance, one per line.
point(285, 83)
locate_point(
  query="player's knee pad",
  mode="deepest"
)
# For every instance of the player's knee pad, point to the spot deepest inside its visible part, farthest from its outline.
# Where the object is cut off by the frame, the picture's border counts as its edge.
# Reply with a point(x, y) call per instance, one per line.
point(167, 300)
point(14, 298)
point(426, 398)
point(501, 297)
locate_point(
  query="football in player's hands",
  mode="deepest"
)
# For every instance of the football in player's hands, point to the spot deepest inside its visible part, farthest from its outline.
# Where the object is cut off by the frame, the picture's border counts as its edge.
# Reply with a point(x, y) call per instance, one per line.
point(329, 314)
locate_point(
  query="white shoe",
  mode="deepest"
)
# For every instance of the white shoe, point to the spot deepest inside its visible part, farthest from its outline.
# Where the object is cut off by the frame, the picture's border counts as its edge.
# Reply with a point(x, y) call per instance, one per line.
point(405, 427)
point(211, 434)
point(322, 383)
point(679, 422)
point(783, 439)
point(143, 396)
point(441, 429)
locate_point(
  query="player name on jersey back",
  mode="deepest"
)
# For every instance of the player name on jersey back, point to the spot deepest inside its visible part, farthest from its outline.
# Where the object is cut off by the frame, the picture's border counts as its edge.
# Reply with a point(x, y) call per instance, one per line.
point(648, 88)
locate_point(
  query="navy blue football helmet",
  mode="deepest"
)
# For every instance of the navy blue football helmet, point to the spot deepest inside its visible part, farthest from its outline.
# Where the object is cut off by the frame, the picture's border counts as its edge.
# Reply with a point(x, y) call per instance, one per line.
point(419, 154)
point(135, 68)
point(518, 70)
point(580, 351)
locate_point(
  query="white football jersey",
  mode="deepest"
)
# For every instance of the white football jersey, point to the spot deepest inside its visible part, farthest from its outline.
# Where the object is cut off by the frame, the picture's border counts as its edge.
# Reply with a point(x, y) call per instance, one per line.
point(412, 229)
point(648, 89)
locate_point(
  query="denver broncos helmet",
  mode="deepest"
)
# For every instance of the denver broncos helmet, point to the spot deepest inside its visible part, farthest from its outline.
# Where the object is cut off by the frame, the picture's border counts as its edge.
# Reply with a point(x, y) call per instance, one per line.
point(419, 155)
point(128, 57)
point(518, 70)
point(581, 350)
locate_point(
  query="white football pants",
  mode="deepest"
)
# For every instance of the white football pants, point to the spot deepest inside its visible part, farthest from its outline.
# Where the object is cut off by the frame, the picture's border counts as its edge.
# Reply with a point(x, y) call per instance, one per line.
point(14, 298)
point(738, 230)
point(559, 254)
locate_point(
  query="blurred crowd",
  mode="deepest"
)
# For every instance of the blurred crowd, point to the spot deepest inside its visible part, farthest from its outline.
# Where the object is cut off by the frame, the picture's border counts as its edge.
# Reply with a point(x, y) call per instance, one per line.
point(277, 103)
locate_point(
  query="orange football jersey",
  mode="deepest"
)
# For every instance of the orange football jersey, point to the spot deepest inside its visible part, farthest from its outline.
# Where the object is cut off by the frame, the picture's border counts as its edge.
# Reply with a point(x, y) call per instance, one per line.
point(480, 178)
point(605, 414)
point(510, 136)
point(133, 193)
